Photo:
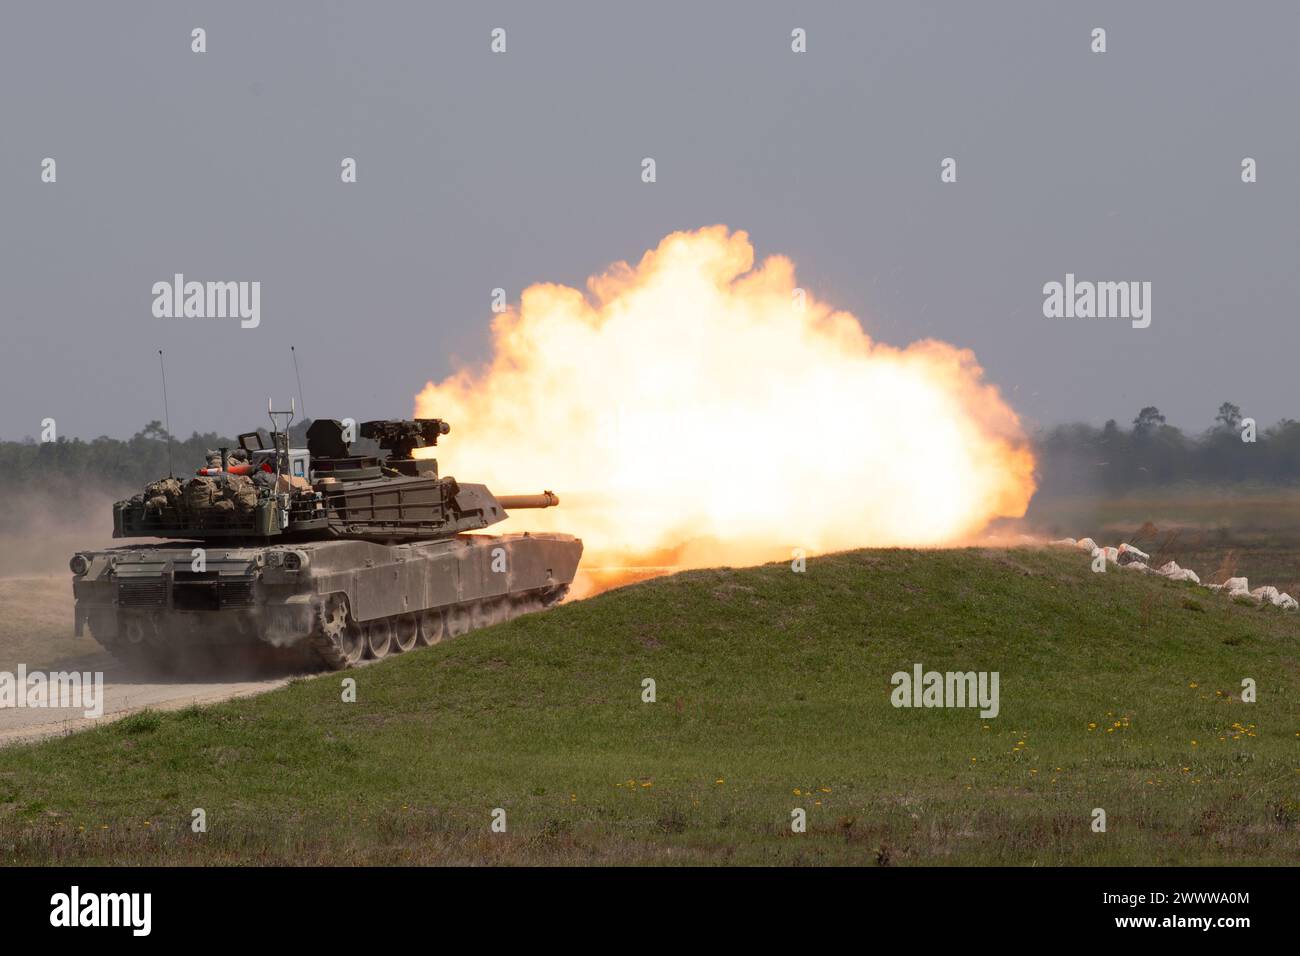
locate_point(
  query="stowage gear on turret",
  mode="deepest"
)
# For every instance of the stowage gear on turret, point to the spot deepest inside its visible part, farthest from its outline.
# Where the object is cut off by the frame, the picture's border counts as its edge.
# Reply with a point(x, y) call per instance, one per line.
point(229, 494)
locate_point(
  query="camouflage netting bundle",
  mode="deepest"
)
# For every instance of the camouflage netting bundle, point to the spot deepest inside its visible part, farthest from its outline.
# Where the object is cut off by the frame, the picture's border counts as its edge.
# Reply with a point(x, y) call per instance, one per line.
point(164, 493)
point(200, 494)
point(228, 493)
point(237, 456)
point(240, 492)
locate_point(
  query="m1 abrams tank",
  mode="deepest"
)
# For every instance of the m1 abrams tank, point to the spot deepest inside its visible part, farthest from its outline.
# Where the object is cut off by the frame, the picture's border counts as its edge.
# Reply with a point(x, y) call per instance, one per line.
point(314, 555)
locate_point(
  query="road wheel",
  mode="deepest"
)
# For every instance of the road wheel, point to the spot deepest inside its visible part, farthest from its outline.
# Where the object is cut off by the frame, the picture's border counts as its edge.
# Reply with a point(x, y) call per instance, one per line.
point(432, 626)
point(353, 643)
point(458, 620)
point(379, 639)
point(406, 631)
point(491, 611)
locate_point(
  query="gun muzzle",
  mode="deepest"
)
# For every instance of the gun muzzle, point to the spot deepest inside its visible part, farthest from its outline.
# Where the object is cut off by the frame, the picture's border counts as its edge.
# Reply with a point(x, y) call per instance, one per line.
point(547, 499)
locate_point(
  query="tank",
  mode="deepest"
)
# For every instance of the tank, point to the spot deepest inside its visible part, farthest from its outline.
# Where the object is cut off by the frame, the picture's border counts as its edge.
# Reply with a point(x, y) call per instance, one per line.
point(320, 556)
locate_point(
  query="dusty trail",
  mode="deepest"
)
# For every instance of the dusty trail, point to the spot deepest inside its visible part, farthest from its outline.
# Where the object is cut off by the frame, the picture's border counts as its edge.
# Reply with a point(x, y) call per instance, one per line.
point(36, 631)
point(125, 692)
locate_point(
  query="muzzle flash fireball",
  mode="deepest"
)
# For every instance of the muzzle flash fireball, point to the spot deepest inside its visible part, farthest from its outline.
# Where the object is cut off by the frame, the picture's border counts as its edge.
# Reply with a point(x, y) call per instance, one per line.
point(695, 410)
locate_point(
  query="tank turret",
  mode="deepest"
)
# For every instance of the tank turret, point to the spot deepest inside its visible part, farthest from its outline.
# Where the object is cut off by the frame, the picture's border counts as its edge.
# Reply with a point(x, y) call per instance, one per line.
point(339, 550)
point(322, 491)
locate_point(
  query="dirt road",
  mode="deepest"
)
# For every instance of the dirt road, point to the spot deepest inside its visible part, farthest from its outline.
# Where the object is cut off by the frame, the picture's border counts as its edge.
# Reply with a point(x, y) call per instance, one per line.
point(36, 633)
point(124, 693)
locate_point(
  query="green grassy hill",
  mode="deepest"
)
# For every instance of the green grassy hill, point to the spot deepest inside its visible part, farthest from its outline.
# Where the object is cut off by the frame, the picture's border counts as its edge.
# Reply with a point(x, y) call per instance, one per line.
point(1117, 691)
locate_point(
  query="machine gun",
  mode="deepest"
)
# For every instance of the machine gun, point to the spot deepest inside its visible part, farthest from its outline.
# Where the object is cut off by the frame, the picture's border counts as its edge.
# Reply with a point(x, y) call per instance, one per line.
point(400, 438)
point(332, 455)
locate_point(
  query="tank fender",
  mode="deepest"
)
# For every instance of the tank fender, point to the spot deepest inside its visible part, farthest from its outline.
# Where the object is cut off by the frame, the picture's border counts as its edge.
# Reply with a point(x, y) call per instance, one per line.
point(286, 621)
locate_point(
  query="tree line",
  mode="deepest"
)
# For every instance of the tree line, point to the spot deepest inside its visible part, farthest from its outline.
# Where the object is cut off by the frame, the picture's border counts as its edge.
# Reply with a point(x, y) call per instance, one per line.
point(1150, 452)
point(1072, 458)
point(114, 464)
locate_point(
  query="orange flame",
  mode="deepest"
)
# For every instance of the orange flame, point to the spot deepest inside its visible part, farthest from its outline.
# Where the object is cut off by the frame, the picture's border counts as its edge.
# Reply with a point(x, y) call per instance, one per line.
point(695, 410)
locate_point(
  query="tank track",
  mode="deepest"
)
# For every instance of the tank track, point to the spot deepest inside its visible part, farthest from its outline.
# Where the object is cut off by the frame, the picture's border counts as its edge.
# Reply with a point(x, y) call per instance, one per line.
point(340, 642)
point(337, 641)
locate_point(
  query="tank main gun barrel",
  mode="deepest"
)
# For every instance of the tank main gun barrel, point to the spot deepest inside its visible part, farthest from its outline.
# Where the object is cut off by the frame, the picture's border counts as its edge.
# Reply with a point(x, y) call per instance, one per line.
point(547, 499)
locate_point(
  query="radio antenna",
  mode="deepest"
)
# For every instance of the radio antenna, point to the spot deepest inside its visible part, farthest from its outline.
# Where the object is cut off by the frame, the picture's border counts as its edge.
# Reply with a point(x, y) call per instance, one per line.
point(301, 404)
point(167, 419)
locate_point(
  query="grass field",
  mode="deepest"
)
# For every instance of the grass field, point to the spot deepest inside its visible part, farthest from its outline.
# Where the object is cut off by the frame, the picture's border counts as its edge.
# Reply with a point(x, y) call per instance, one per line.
point(1118, 691)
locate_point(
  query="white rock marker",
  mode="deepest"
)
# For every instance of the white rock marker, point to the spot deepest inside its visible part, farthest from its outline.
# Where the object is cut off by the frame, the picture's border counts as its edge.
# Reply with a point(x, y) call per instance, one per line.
point(1266, 593)
point(1129, 554)
point(1135, 559)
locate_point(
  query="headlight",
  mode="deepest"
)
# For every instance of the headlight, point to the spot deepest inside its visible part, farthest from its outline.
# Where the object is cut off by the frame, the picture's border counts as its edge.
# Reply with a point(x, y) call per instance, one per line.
point(294, 560)
point(79, 564)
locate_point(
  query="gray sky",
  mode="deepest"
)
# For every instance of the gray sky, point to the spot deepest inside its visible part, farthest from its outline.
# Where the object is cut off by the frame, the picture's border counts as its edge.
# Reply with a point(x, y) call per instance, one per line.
point(479, 170)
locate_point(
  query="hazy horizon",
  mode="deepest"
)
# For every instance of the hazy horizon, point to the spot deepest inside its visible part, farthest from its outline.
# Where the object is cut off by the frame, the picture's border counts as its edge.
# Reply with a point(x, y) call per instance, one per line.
point(478, 171)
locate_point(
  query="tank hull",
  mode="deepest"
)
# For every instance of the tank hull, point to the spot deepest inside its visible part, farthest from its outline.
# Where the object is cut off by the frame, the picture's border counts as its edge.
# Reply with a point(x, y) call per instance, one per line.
point(331, 603)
